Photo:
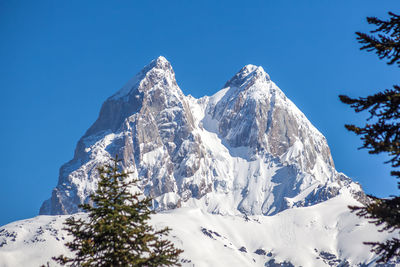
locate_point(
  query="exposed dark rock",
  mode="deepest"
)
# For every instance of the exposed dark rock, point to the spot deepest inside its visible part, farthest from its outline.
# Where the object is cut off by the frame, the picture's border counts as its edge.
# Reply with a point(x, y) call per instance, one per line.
point(272, 263)
point(211, 234)
point(260, 252)
point(243, 249)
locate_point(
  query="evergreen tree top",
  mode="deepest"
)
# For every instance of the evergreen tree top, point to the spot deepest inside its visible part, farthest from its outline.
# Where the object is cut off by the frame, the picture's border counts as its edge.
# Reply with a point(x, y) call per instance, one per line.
point(386, 39)
point(117, 231)
point(381, 133)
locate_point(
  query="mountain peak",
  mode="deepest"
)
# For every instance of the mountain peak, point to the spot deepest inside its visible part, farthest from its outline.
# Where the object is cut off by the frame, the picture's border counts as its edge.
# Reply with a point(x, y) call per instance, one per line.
point(250, 68)
point(155, 70)
point(159, 63)
point(249, 73)
point(161, 59)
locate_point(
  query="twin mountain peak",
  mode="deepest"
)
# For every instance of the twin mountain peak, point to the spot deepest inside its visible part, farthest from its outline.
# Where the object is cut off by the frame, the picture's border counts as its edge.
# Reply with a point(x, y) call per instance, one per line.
point(245, 150)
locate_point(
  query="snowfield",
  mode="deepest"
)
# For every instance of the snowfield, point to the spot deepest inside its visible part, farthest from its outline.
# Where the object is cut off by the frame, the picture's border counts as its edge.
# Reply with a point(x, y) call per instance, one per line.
point(326, 234)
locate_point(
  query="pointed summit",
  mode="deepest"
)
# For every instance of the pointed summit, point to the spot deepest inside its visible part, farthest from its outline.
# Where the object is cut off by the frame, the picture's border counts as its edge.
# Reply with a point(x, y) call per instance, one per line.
point(157, 70)
point(151, 86)
point(249, 73)
point(159, 63)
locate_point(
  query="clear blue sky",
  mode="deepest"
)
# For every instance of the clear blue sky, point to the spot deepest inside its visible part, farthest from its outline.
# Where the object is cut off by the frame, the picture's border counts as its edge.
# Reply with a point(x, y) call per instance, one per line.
point(59, 60)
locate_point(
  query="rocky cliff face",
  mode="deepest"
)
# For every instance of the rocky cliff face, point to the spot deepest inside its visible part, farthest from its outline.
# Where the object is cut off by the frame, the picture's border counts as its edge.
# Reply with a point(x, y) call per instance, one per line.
point(245, 149)
point(255, 113)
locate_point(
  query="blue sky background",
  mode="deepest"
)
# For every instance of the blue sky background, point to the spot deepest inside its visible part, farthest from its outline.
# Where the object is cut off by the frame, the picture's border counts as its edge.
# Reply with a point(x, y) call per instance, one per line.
point(59, 60)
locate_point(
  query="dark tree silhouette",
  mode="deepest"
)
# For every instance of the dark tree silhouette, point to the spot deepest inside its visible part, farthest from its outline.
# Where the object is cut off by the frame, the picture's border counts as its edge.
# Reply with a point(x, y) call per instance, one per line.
point(116, 232)
point(381, 133)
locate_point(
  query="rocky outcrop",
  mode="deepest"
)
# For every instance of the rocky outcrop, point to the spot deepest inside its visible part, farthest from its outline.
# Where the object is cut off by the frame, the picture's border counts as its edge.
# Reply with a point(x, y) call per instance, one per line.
point(149, 124)
point(254, 112)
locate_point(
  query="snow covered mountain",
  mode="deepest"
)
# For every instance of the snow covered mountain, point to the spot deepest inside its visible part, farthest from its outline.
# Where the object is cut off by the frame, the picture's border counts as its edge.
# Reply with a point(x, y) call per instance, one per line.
point(247, 149)
point(242, 178)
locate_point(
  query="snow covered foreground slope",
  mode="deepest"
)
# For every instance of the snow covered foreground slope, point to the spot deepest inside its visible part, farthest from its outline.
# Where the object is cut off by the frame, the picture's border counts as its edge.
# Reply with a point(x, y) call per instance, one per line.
point(326, 234)
point(245, 150)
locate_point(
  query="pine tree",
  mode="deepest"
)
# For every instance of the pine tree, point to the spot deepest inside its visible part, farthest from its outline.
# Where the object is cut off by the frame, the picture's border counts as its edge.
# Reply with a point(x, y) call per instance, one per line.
point(116, 232)
point(381, 134)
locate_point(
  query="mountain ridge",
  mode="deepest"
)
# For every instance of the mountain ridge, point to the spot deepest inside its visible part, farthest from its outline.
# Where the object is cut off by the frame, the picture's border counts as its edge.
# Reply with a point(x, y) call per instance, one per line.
point(264, 157)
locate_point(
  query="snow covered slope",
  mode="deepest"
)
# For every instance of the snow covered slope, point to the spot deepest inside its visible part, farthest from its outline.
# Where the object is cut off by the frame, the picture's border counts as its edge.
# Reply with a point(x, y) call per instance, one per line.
point(245, 150)
point(326, 234)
